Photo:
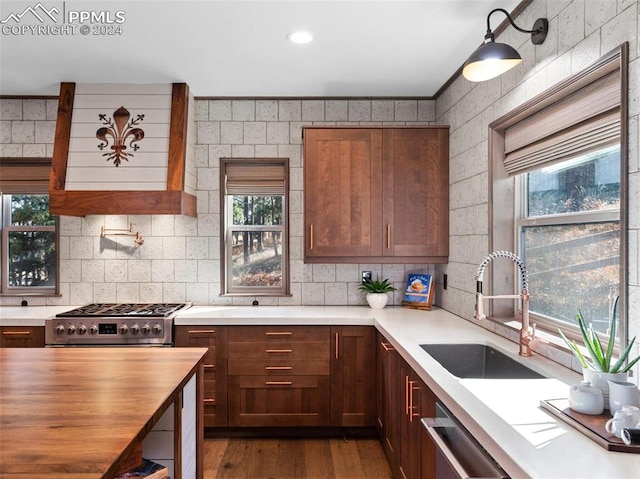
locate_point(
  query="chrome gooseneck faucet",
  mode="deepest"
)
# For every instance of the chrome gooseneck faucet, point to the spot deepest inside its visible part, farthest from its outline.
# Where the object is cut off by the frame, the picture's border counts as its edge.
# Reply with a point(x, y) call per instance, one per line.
point(526, 336)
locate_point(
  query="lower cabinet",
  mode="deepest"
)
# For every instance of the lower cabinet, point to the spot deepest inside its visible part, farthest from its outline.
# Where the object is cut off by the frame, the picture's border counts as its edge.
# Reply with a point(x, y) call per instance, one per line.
point(353, 376)
point(286, 376)
point(215, 368)
point(279, 376)
point(406, 399)
point(22, 337)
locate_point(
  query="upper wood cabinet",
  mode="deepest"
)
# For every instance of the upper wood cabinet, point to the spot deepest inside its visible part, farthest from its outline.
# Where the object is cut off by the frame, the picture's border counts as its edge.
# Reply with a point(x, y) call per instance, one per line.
point(376, 194)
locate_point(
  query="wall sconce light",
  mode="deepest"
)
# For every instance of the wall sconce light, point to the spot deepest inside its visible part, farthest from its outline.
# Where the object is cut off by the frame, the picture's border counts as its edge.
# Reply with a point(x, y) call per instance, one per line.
point(493, 59)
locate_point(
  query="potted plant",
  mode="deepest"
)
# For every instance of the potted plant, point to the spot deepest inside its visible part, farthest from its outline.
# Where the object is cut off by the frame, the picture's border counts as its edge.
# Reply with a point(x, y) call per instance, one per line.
point(377, 292)
point(600, 366)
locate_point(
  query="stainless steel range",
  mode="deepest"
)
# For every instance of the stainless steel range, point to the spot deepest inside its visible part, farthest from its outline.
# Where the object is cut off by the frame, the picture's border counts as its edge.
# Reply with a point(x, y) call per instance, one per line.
point(114, 324)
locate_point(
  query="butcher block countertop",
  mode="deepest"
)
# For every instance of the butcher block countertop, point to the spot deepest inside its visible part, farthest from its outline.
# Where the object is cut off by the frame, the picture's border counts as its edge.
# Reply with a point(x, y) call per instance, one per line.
point(78, 412)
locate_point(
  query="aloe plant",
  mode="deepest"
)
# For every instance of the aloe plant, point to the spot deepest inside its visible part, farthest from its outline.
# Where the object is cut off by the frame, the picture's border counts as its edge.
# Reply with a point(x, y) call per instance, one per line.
point(376, 286)
point(601, 359)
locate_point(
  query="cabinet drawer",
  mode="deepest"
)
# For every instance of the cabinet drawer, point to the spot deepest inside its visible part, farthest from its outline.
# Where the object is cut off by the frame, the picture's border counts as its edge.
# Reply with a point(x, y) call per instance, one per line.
point(278, 333)
point(281, 350)
point(240, 367)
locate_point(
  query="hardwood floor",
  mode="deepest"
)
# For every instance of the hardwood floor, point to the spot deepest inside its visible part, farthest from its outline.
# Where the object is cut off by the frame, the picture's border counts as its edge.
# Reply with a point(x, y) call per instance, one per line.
point(294, 458)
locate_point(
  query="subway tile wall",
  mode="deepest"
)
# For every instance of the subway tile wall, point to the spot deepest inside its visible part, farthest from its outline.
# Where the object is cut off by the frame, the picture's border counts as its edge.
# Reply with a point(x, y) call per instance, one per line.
point(180, 257)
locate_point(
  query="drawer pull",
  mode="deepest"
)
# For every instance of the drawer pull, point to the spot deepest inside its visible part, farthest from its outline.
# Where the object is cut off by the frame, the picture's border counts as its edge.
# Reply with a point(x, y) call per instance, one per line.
point(278, 368)
point(196, 331)
point(209, 366)
point(209, 400)
point(279, 350)
point(16, 333)
point(278, 333)
point(386, 346)
point(278, 383)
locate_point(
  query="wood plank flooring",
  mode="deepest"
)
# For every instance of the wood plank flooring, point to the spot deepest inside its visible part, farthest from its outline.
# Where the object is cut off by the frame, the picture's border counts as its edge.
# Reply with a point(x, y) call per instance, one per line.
point(294, 458)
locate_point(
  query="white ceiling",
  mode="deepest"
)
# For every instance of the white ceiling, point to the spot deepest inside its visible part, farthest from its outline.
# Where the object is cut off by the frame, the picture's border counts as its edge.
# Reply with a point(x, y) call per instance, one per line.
point(391, 48)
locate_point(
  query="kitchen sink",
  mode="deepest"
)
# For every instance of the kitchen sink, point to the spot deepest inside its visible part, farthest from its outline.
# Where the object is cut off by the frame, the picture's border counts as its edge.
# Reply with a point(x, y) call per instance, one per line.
point(471, 360)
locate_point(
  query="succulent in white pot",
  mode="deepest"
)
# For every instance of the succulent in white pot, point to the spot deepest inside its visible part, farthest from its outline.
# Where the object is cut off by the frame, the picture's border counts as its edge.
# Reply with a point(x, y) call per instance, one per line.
point(600, 365)
point(377, 292)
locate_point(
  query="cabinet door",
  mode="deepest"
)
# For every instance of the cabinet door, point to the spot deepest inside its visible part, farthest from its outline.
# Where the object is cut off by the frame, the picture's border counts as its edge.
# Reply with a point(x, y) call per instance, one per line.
point(410, 427)
point(22, 337)
point(342, 193)
point(353, 376)
point(215, 368)
point(416, 193)
point(393, 407)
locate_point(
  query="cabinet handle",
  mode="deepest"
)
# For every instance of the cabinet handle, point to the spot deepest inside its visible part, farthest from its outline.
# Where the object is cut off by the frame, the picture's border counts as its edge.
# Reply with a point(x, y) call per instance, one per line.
point(278, 368)
point(278, 333)
point(209, 400)
point(196, 331)
point(388, 236)
point(406, 394)
point(386, 346)
point(310, 236)
point(278, 350)
point(411, 407)
point(337, 346)
point(16, 333)
point(278, 383)
point(209, 366)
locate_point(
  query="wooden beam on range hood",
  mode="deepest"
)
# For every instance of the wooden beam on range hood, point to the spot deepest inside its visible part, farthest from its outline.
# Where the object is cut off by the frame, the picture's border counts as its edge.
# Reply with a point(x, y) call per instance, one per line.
point(174, 200)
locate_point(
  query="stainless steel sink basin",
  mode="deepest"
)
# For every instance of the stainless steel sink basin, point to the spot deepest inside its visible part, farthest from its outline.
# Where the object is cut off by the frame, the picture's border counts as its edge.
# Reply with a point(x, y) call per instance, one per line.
point(469, 360)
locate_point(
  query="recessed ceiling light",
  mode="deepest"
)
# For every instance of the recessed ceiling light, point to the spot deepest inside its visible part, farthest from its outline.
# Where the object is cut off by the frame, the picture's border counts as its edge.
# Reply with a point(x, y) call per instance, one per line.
point(300, 37)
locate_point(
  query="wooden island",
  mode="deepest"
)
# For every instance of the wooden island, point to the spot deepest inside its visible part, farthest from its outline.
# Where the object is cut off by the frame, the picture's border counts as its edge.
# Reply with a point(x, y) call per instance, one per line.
point(78, 413)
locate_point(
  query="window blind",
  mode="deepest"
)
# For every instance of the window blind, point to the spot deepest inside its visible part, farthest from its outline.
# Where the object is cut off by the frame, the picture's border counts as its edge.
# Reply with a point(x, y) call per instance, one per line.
point(25, 175)
point(586, 120)
point(254, 178)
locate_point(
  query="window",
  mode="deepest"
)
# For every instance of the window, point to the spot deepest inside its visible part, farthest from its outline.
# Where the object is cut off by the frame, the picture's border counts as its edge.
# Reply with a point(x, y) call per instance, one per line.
point(28, 245)
point(558, 198)
point(255, 241)
point(29, 260)
point(569, 236)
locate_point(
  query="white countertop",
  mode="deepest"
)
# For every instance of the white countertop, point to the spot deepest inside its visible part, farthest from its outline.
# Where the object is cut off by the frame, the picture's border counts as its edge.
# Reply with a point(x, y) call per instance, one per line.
point(504, 415)
point(29, 315)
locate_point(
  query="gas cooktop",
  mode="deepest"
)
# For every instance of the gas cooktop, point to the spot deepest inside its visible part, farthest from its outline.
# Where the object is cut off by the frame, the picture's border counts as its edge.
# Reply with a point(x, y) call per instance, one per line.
point(108, 310)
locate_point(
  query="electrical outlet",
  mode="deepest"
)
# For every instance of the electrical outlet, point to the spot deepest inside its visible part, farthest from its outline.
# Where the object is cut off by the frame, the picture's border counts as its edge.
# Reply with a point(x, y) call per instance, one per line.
point(366, 276)
point(444, 281)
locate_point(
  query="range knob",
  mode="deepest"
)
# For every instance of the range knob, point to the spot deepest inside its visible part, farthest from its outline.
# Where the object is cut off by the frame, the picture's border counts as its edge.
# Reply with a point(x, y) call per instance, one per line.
point(59, 329)
point(71, 329)
point(157, 329)
point(93, 329)
point(124, 329)
point(82, 329)
point(135, 329)
point(146, 329)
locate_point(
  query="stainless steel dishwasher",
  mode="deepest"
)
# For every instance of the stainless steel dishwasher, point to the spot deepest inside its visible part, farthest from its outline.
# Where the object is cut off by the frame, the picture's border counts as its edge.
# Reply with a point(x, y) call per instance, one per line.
point(458, 454)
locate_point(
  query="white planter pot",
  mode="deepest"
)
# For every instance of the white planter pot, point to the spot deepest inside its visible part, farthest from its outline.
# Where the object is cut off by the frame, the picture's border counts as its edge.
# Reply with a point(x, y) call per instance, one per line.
point(377, 300)
point(599, 380)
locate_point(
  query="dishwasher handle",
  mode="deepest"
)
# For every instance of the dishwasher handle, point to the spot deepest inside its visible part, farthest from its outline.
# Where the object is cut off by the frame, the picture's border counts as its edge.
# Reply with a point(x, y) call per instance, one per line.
point(431, 423)
point(434, 425)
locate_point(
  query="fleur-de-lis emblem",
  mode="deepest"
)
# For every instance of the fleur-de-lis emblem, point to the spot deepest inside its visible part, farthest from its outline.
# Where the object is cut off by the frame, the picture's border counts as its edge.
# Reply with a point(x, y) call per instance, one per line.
point(121, 131)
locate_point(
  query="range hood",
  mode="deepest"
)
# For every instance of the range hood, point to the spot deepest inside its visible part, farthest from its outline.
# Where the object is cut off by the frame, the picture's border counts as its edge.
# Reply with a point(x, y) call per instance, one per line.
point(124, 149)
